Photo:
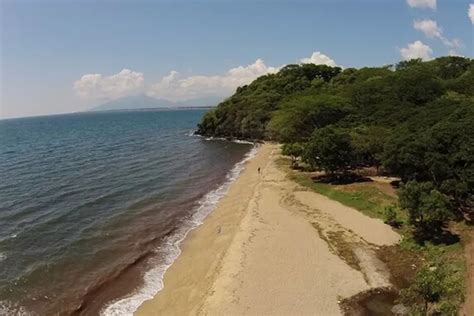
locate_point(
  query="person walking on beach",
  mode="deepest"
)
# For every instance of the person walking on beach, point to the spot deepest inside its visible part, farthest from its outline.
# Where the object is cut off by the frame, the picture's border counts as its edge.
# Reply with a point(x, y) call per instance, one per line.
point(258, 169)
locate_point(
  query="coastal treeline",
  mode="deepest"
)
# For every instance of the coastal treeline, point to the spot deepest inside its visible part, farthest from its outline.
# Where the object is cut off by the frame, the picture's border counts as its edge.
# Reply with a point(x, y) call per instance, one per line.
point(414, 120)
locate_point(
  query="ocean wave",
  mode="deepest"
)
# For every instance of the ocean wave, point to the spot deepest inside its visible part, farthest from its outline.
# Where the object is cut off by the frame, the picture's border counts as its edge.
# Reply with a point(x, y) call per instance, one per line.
point(153, 278)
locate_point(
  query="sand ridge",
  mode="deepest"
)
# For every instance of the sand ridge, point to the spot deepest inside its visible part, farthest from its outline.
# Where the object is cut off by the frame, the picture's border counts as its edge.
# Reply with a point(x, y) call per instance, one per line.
point(272, 248)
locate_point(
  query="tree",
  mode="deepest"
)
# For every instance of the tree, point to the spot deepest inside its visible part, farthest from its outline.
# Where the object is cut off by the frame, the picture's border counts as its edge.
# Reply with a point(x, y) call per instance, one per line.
point(294, 150)
point(436, 290)
point(298, 117)
point(417, 84)
point(246, 114)
point(404, 155)
point(368, 143)
point(463, 84)
point(428, 208)
point(414, 119)
point(370, 94)
point(408, 63)
point(208, 123)
point(329, 149)
point(450, 67)
point(437, 146)
point(427, 289)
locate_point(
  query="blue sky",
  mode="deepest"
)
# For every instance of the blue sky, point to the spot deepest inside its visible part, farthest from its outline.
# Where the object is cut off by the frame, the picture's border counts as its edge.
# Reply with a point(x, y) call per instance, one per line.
point(66, 56)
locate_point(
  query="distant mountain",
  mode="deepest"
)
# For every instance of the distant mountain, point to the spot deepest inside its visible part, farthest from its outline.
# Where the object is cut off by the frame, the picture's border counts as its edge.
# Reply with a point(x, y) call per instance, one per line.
point(209, 101)
point(145, 102)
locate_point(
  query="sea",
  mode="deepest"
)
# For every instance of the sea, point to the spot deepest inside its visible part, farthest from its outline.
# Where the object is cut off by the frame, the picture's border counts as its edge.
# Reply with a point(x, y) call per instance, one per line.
point(94, 206)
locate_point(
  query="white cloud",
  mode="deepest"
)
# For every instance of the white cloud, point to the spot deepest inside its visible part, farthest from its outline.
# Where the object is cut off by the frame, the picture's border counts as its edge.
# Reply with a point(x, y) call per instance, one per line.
point(319, 59)
point(429, 27)
point(454, 45)
point(416, 50)
point(470, 12)
point(96, 86)
point(431, 4)
point(175, 86)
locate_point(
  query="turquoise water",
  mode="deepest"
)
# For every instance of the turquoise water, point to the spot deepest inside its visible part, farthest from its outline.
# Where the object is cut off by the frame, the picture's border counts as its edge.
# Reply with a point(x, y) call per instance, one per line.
point(93, 205)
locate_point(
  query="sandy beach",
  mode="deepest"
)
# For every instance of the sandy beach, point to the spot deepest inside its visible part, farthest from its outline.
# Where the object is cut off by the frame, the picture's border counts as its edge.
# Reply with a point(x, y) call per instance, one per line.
point(273, 247)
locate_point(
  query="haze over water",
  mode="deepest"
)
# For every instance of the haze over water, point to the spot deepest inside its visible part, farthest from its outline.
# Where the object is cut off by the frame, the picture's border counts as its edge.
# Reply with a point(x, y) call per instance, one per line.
point(90, 202)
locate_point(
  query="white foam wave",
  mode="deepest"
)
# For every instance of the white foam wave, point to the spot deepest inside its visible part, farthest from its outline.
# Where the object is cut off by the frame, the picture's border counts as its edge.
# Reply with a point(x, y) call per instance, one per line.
point(240, 141)
point(8, 308)
point(3, 256)
point(153, 279)
point(192, 133)
point(7, 238)
point(236, 140)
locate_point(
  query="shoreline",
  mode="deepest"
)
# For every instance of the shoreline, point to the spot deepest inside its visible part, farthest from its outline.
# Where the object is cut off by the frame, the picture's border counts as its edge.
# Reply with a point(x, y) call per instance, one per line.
point(153, 278)
point(218, 230)
point(267, 249)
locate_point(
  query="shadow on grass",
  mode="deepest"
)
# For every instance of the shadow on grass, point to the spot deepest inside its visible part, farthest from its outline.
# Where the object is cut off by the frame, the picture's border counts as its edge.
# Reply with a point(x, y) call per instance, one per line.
point(395, 184)
point(346, 178)
point(436, 233)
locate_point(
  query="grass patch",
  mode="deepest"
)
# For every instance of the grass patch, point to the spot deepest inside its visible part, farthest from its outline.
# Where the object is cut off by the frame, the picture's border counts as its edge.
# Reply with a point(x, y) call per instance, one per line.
point(406, 259)
point(365, 197)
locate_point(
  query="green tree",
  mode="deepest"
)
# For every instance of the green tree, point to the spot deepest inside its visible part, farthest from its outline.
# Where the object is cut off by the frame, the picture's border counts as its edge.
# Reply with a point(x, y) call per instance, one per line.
point(298, 117)
point(428, 208)
point(208, 123)
point(427, 289)
point(436, 290)
point(437, 146)
point(450, 67)
point(417, 84)
point(329, 149)
point(368, 143)
point(408, 63)
point(404, 155)
point(294, 150)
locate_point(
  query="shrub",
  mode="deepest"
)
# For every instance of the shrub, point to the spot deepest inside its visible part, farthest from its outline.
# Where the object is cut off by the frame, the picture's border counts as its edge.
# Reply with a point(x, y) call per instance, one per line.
point(426, 206)
point(436, 290)
point(391, 216)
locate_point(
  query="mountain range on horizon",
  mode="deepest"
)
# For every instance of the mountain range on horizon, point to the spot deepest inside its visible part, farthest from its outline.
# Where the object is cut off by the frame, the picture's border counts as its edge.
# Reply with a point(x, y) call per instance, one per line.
point(143, 101)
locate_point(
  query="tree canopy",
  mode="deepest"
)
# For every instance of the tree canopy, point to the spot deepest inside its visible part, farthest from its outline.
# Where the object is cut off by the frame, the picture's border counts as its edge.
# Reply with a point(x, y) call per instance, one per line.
point(413, 120)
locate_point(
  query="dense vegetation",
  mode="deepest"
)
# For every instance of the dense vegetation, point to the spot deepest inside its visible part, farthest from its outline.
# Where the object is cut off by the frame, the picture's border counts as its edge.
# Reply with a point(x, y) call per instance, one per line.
point(413, 120)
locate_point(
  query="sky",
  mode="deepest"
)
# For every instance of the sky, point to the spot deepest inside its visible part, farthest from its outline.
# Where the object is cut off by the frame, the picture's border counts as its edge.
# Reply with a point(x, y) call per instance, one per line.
point(61, 56)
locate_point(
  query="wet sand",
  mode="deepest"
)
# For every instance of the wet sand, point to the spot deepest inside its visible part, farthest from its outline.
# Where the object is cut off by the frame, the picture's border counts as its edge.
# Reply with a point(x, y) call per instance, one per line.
point(272, 247)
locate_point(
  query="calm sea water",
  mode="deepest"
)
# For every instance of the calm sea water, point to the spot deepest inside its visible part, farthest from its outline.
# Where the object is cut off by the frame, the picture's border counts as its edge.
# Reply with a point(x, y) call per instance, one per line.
point(93, 206)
